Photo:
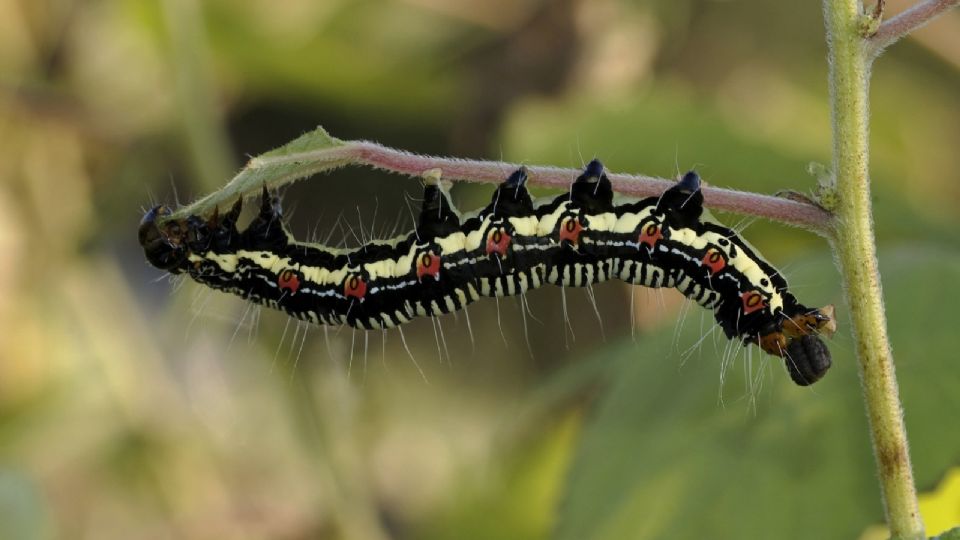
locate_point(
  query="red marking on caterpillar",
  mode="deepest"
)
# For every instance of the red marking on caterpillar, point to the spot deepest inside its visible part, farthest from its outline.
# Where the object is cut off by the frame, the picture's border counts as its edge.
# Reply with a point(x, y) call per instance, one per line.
point(428, 264)
point(650, 235)
point(289, 280)
point(714, 261)
point(355, 287)
point(498, 241)
point(752, 301)
point(570, 230)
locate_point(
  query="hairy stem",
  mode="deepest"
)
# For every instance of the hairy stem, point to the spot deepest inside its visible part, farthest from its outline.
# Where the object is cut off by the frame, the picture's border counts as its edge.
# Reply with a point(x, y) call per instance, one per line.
point(775, 208)
point(854, 244)
point(906, 22)
point(277, 170)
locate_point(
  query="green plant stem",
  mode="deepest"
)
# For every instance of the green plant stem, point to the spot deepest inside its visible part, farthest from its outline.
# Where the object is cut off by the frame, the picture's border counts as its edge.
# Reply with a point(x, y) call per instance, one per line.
point(854, 245)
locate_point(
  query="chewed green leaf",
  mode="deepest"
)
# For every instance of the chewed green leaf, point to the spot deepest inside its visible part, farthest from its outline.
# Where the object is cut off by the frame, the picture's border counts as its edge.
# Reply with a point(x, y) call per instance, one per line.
point(309, 154)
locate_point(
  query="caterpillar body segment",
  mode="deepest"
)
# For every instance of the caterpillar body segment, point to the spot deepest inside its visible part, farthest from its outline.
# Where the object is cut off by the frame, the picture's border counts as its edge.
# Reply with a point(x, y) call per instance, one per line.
point(512, 245)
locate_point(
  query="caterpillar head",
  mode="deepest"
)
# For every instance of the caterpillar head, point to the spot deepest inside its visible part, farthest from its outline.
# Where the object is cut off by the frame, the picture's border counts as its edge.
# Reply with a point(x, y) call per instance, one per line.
point(167, 243)
point(163, 244)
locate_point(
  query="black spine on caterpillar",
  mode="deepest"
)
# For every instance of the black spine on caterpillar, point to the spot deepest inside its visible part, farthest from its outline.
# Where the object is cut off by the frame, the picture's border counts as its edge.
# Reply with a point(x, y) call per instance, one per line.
point(510, 246)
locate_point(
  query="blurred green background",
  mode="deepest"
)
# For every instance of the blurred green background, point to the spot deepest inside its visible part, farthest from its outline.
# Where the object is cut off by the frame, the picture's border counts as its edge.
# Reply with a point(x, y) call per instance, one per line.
point(133, 406)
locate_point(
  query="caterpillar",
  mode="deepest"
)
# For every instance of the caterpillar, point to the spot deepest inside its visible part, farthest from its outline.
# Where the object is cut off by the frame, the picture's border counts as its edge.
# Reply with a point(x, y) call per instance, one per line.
point(512, 245)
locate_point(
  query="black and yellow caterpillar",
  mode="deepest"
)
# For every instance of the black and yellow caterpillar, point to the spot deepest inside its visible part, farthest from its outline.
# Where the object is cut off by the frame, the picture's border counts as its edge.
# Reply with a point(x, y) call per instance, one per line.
point(512, 245)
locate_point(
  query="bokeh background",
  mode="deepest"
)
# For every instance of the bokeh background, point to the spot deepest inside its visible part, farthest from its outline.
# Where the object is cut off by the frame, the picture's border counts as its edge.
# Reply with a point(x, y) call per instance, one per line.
point(136, 406)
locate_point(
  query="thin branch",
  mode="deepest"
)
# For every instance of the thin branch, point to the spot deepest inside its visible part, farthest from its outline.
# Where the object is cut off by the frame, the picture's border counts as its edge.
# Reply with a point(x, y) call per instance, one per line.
point(797, 213)
point(317, 152)
point(906, 22)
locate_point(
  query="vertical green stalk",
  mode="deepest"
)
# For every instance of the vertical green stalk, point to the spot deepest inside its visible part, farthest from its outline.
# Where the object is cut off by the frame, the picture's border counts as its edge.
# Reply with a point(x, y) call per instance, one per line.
point(855, 249)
